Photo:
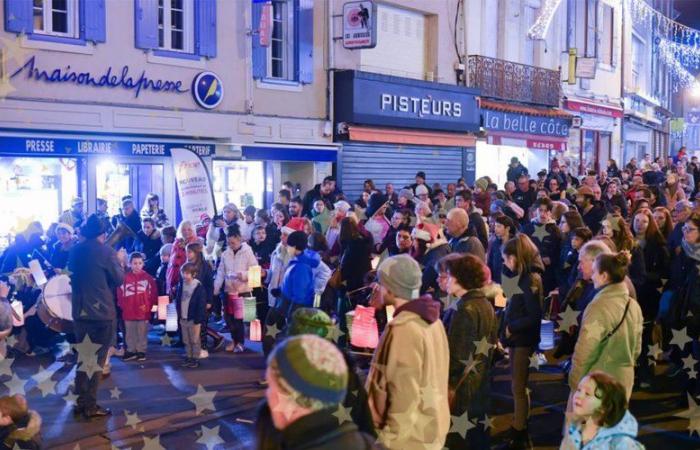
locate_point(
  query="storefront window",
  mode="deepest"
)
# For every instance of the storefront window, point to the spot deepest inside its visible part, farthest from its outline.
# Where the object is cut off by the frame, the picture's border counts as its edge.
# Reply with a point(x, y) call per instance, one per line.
point(239, 182)
point(589, 150)
point(493, 160)
point(34, 189)
point(115, 180)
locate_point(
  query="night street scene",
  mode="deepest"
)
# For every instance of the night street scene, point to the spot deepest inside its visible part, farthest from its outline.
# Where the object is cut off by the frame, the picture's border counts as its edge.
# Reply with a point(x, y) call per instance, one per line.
point(350, 224)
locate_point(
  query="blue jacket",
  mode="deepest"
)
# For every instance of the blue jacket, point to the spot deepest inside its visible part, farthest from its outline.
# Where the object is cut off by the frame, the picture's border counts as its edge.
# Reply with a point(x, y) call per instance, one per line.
point(298, 282)
point(621, 436)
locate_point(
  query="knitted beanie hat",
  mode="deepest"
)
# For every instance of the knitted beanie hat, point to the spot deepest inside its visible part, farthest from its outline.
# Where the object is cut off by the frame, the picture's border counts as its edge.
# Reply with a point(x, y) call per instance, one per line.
point(401, 275)
point(312, 368)
point(310, 321)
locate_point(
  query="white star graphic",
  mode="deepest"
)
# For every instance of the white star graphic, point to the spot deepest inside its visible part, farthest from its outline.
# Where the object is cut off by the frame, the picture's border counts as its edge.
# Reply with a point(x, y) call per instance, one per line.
point(654, 353)
point(70, 398)
point(461, 424)
point(165, 340)
point(6, 366)
point(510, 286)
point(482, 346)
point(115, 393)
point(202, 400)
point(680, 338)
point(16, 385)
point(569, 318)
point(272, 331)
point(470, 364)
point(688, 362)
point(540, 232)
point(132, 420)
point(152, 443)
point(693, 414)
point(47, 386)
point(210, 437)
point(487, 422)
point(11, 341)
point(343, 414)
point(535, 361)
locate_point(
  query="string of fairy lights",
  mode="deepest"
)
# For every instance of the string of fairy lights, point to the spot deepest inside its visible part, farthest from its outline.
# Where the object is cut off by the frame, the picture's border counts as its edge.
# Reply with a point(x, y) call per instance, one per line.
point(678, 45)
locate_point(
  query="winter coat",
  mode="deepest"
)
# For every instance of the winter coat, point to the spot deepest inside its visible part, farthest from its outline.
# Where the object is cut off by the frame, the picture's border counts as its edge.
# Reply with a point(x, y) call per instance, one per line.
point(621, 436)
point(59, 255)
point(95, 274)
point(205, 275)
point(566, 266)
point(549, 247)
point(149, 246)
point(178, 257)
point(524, 199)
point(494, 259)
point(435, 253)
point(478, 229)
point(278, 267)
point(160, 278)
point(315, 194)
point(616, 355)
point(523, 314)
point(473, 320)
point(216, 236)
point(616, 200)
point(411, 363)
point(262, 252)
point(197, 308)
point(321, 221)
point(685, 279)
point(320, 431)
point(469, 244)
point(298, 283)
point(675, 239)
point(514, 173)
point(137, 295)
point(355, 261)
point(613, 172)
point(593, 217)
point(656, 265)
point(232, 263)
point(159, 217)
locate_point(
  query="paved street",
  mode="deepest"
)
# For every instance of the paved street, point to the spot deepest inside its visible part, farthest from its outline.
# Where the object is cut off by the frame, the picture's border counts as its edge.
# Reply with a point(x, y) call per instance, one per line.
point(150, 400)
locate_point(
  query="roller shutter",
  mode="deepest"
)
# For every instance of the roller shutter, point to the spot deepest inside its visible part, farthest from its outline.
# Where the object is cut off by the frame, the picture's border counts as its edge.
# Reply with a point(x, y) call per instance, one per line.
point(397, 165)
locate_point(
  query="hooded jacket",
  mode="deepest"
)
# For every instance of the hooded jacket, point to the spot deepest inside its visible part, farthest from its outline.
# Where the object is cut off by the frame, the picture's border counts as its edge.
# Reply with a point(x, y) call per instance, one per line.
point(621, 436)
point(298, 283)
point(278, 267)
point(407, 381)
point(234, 262)
point(137, 295)
point(616, 355)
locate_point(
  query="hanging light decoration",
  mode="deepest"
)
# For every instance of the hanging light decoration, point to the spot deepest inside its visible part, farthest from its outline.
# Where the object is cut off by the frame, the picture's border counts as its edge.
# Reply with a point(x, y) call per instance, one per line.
point(684, 77)
point(541, 25)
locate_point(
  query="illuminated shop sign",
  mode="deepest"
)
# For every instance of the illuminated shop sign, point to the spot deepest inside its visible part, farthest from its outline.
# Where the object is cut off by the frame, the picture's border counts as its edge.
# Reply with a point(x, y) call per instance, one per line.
point(78, 147)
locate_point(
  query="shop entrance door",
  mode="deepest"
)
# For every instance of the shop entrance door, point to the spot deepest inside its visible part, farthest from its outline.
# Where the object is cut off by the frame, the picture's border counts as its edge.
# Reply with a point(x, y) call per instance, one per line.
point(115, 178)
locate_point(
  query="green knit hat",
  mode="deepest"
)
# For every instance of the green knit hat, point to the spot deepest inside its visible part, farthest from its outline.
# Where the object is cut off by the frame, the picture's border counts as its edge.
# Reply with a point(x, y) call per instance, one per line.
point(312, 368)
point(310, 321)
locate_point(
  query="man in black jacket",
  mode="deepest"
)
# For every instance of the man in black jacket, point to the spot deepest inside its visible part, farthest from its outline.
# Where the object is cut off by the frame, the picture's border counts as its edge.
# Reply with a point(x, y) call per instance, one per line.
point(475, 223)
point(515, 170)
point(325, 191)
point(131, 219)
point(96, 271)
point(524, 196)
point(591, 213)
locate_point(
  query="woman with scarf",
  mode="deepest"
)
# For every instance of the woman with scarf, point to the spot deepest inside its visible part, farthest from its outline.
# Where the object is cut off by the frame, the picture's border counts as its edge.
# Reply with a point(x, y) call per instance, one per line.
point(685, 285)
point(656, 261)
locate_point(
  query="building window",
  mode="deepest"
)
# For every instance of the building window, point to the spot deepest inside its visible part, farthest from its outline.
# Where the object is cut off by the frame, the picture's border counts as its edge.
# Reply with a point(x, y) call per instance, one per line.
point(590, 47)
point(607, 32)
point(281, 51)
point(56, 17)
point(175, 25)
point(637, 61)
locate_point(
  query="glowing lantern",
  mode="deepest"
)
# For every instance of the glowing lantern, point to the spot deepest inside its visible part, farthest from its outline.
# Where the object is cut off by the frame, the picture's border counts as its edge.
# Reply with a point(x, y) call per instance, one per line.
point(255, 331)
point(17, 313)
point(163, 302)
point(249, 312)
point(364, 333)
point(171, 318)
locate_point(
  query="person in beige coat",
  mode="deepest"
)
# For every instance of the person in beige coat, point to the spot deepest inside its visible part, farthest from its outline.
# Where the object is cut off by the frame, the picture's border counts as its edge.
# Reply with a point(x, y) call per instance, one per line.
point(407, 382)
point(611, 329)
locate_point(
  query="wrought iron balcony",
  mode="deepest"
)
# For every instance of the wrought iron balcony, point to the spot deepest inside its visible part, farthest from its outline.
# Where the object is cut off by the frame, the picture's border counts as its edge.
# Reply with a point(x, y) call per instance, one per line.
point(506, 80)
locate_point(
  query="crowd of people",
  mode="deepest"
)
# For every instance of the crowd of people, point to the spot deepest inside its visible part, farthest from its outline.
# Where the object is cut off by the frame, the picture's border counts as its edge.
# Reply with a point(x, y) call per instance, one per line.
point(456, 279)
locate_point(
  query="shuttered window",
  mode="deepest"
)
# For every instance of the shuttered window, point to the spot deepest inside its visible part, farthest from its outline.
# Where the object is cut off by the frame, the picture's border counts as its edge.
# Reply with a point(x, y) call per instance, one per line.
point(176, 28)
point(65, 21)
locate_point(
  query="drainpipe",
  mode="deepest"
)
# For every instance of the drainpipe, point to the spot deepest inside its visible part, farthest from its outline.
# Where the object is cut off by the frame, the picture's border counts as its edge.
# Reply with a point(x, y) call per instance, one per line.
point(622, 83)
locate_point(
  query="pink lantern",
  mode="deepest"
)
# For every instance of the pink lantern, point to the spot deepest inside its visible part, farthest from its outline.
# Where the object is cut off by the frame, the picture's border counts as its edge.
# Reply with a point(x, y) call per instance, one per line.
point(235, 305)
point(364, 333)
point(255, 331)
point(163, 302)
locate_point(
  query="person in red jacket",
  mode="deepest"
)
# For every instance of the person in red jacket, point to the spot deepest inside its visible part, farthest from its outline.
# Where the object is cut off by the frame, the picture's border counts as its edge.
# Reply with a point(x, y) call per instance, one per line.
point(178, 256)
point(136, 298)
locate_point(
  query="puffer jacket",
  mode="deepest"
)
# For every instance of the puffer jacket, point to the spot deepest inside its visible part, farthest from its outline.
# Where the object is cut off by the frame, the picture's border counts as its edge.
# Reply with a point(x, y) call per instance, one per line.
point(472, 321)
point(621, 436)
point(616, 355)
point(137, 295)
point(234, 262)
point(298, 283)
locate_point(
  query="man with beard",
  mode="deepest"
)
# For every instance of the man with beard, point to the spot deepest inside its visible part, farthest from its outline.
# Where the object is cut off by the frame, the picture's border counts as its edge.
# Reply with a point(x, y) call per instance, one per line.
point(131, 218)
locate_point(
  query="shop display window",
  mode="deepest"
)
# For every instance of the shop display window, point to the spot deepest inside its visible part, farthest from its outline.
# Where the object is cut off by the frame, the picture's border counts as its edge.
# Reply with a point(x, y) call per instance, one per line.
point(34, 189)
point(115, 180)
point(239, 182)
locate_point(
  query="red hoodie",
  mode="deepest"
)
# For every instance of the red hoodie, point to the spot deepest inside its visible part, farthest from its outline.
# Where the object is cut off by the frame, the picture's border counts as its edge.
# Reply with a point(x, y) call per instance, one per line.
point(137, 296)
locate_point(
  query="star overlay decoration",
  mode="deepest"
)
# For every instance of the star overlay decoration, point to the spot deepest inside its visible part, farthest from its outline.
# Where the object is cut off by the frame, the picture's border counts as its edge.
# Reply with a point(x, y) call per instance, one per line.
point(16, 385)
point(511, 286)
point(654, 353)
point(692, 414)
point(483, 347)
point(6, 367)
point(210, 437)
point(335, 333)
point(569, 318)
point(614, 221)
point(343, 414)
point(487, 422)
point(115, 393)
point(461, 424)
point(165, 340)
point(152, 443)
point(70, 398)
point(132, 419)
point(680, 338)
point(47, 386)
point(272, 331)
point(202, 400)
point(470, 363)
point(540, 232)
point(535, 361)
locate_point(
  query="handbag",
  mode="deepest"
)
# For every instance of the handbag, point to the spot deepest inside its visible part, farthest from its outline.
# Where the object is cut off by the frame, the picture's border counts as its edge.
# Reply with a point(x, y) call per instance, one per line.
point(336, 280)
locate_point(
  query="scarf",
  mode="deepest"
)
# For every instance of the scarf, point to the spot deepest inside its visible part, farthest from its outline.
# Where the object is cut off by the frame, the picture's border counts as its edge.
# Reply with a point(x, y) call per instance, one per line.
point(692, 251)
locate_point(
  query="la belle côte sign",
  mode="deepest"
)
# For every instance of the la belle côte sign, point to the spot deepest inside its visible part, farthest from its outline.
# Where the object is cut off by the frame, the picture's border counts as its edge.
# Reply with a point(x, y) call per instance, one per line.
point(526, 124)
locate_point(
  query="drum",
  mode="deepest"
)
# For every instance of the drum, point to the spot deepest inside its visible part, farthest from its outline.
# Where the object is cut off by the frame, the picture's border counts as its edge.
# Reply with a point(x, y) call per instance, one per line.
point(54, 307)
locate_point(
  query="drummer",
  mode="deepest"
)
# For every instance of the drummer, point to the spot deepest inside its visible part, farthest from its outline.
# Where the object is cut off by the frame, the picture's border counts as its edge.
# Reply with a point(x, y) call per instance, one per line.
point(96, 272)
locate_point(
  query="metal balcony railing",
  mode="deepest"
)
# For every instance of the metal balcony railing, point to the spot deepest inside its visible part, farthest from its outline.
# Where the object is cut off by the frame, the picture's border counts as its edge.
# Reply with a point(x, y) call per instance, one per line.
point(506, 80)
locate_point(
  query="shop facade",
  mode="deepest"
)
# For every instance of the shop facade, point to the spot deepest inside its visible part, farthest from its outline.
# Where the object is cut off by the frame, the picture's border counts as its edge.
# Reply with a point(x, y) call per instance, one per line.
point(530, 133)
point(646, 129)
point(391, 127)
point(597, 139)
